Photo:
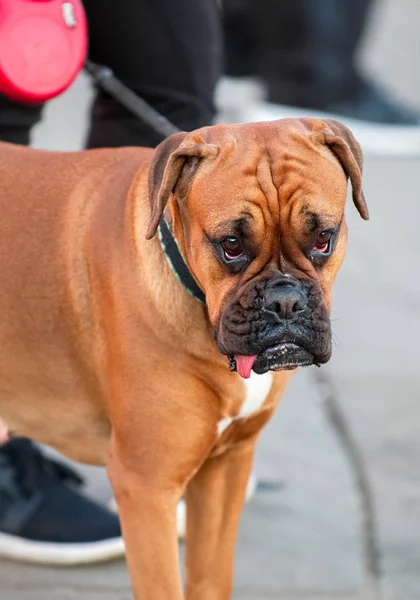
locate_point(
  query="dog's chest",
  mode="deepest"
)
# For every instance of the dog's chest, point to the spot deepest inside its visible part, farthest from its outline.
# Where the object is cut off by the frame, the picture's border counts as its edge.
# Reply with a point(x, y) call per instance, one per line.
point(257, 389)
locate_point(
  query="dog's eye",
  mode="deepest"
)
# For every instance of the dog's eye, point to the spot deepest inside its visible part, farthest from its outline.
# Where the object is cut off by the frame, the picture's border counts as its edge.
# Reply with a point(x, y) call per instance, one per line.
point(231, 248)
point(323, 242)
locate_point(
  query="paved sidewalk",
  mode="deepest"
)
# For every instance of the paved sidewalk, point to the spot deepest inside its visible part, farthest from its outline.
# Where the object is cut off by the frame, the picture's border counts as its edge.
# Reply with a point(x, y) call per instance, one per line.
point(337, 515)
point(376, 367)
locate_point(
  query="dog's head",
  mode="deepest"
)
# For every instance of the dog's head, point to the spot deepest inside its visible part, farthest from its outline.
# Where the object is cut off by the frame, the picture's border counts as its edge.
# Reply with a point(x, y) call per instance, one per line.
point(258, 212)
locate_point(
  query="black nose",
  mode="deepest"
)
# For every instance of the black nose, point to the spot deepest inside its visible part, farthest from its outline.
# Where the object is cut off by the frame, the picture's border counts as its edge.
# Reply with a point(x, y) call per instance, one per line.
point(285, 297)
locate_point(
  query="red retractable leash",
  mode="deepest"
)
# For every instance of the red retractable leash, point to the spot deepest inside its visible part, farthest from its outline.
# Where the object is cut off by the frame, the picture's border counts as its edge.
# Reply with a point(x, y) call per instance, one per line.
point(43, 46)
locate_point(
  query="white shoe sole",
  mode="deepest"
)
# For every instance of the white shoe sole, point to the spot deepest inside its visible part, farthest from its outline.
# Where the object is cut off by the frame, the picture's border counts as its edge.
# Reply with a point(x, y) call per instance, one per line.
point(234, 95)
point(49, 553)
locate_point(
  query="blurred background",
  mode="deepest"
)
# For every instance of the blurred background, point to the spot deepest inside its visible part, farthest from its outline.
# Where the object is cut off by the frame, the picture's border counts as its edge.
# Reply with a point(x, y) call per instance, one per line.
point(336, 514)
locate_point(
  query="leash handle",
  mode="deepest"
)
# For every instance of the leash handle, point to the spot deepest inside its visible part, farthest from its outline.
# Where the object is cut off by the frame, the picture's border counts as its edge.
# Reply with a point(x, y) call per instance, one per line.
point(105, 78)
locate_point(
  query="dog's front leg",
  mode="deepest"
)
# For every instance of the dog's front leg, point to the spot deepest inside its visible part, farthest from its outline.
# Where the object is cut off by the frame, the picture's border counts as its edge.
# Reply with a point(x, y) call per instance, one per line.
point(147, 509)
point(157, 445)
point(215, 497)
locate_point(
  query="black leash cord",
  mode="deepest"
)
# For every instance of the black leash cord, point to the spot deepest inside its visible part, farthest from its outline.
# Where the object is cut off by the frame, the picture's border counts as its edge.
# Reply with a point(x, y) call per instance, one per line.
point(105, 78)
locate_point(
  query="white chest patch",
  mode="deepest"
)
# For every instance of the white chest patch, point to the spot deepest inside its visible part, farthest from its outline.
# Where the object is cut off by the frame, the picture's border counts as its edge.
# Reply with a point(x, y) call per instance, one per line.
point(257, 390)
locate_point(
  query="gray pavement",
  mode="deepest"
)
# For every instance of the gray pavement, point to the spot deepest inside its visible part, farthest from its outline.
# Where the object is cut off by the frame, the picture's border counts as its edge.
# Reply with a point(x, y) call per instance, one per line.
point(338, 513)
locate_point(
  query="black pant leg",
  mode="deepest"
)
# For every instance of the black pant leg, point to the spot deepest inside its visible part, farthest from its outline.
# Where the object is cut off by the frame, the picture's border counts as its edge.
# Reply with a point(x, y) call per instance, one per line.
point(167, 51)
point(239, 38)
point(17, 120)
point(307, 49)
point(304, 50)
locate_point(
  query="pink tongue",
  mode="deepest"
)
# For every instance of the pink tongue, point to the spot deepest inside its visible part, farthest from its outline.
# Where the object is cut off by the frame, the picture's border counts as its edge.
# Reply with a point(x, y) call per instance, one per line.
point(244, 364)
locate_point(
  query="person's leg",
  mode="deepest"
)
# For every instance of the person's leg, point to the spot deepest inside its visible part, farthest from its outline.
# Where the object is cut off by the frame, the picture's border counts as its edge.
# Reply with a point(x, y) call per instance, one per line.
point(240, 37)
point(306, 49)
point(303, 50)
point(167, 52)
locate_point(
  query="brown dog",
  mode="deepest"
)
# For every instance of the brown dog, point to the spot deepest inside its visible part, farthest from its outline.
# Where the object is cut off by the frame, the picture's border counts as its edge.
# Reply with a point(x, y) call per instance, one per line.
point(106, 356)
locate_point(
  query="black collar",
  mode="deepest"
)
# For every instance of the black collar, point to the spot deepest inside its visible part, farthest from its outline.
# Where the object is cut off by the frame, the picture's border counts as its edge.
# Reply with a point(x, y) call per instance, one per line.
point(177, 262)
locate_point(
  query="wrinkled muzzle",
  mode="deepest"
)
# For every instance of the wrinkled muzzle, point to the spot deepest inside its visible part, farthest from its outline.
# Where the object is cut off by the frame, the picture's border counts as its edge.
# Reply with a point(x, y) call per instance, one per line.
point(280, 323)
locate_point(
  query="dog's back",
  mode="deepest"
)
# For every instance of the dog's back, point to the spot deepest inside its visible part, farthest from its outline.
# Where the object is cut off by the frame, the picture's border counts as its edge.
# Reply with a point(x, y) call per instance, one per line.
point(46, 203)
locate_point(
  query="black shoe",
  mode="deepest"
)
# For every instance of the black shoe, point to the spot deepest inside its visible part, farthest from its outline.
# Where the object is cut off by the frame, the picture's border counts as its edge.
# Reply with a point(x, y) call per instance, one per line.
point(43, 519)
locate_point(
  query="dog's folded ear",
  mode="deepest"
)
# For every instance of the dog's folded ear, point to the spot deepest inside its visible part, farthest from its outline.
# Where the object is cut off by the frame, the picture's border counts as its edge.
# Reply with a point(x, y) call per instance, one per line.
point(343, 144)
point(170, 160)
